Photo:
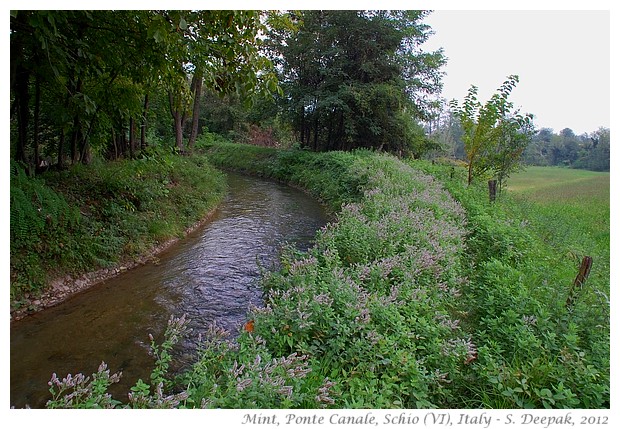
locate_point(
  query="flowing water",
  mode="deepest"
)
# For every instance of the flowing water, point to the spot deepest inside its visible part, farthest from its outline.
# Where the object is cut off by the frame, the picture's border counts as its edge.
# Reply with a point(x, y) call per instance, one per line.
point(211, 276)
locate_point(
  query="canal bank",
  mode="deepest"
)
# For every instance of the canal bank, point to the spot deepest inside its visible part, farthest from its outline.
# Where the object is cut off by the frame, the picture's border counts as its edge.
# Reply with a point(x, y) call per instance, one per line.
point(212, 276)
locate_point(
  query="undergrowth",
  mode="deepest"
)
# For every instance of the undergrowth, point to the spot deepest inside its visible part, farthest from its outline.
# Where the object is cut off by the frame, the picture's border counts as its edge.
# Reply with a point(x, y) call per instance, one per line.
point(96, 216)
point(534, 350)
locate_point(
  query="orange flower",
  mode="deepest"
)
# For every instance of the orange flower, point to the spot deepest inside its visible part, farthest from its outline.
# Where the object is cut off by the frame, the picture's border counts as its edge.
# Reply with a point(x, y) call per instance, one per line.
point(249, 326)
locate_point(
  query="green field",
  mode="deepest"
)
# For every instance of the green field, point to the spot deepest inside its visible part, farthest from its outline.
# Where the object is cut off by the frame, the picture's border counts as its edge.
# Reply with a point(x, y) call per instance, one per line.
point(571, 211)
point(576, 201)
point(555, 184)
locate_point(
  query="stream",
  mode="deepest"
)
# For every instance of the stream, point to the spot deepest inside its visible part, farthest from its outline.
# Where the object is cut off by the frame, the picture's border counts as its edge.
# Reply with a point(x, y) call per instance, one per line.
point(213, 275)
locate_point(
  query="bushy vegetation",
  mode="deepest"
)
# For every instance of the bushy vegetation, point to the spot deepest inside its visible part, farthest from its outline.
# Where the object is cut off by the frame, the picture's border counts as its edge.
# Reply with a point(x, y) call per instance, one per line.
point(321, 174)
point(413, 298)
point(95, 216)
point(533, 349)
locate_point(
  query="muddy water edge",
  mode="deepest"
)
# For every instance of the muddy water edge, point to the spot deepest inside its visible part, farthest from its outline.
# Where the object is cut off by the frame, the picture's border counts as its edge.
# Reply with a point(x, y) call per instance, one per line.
point(211, 276)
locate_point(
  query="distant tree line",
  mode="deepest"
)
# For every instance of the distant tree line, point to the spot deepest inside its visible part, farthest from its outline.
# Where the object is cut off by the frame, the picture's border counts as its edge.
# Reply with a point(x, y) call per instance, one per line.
point(589, 151)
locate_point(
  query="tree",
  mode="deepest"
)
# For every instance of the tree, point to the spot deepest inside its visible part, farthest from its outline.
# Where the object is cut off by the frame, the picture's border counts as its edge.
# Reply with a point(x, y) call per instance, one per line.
point(495, 135)
point(515, 133)
point(477, 122)
point(595, 153)
point(536, 153)
point(92, 72)
point(357, 78)
point(83, 80)
point(216, 49)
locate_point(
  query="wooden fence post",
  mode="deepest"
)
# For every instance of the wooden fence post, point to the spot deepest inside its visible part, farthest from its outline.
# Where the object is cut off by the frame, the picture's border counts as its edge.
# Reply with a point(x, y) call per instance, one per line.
point(582, 276)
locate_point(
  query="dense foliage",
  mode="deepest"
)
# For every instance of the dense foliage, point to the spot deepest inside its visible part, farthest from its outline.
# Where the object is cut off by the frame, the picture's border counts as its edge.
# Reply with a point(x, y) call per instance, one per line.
point(494, 135)
point(358, 78)
point(82, 82)
point(535, 350)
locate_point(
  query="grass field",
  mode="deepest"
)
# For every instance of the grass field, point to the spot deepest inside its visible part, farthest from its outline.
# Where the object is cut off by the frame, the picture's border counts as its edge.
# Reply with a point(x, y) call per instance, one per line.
point(571, 211)
point(579, 198)
point(563, 185)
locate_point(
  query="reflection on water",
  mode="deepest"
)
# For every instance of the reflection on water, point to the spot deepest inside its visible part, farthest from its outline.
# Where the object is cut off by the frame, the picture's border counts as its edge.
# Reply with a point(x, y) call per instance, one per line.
point(212, 276)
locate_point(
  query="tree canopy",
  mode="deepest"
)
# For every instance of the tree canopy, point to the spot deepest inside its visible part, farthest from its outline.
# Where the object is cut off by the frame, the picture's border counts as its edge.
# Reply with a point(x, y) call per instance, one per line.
point(82, 79)
point(358, 78)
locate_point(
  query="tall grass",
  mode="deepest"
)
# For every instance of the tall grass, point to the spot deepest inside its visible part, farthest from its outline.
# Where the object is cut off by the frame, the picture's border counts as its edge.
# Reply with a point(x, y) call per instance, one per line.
point(570, 211)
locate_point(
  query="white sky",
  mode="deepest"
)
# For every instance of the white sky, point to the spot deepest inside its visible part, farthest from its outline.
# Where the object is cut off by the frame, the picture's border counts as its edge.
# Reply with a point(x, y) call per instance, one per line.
point(562, 59)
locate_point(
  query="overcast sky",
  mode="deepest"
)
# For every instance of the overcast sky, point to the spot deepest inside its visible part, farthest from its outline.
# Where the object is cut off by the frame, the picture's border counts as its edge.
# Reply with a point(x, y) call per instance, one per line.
point(562, 59)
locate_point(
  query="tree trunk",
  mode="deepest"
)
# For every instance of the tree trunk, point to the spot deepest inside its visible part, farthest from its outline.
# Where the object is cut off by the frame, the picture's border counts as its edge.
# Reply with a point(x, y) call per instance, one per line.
point(340, 135)
point(23, 113)
point(492, 190)
point(178, 131)
point(178, 123)
point(113, 151)
point(316, 133)
point(122, 142)
point(144, 122)
point(85, 155)
point(330, 137)
point(302, 132)
point(132, 137)
point(37, 108)
point(77, 130)
point(61, 148)
point(197, 84)
point(74, 139)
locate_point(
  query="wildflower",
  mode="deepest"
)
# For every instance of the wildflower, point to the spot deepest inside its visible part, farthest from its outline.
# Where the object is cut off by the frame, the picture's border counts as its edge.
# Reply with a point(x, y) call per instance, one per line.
point(324, 299)
point(242, 384)
point(300, 264)
point(373, 337)
point(324, 391)
point(237, 370)
point(446, 321)
point(286, 391)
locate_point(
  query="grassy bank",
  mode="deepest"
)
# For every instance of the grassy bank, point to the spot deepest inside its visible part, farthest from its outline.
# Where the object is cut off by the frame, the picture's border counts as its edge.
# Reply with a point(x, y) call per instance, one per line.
point(101, 215)
point(534, 349)
point(415, 297)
